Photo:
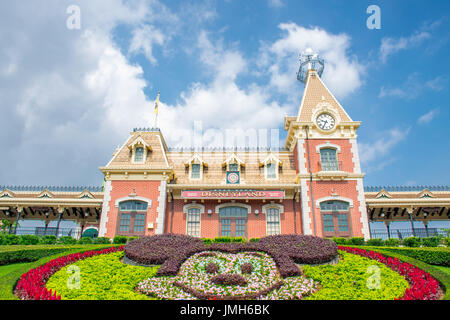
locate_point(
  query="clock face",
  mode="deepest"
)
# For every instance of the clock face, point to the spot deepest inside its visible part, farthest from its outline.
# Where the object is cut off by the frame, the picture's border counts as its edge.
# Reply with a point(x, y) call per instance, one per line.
point(325, 121)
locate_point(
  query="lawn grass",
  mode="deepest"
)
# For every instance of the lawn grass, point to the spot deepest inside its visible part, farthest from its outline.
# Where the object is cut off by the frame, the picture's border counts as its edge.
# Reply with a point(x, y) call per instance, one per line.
point(10, 274)
point(446, 270)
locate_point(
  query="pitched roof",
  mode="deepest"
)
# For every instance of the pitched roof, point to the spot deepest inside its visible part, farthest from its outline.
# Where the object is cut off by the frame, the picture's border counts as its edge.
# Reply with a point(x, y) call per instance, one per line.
point(316, 92)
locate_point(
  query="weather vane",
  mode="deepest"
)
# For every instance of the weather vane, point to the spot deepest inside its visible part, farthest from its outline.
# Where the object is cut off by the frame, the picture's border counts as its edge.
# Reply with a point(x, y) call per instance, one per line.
point(309, 61)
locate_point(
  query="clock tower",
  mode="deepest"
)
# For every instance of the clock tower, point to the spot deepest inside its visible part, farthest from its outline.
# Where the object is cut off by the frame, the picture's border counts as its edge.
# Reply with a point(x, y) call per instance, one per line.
point(324, 141)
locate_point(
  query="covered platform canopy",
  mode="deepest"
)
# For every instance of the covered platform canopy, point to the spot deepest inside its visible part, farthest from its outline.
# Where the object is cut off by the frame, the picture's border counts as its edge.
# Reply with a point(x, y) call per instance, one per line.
point(49, 203)
point(408, 203)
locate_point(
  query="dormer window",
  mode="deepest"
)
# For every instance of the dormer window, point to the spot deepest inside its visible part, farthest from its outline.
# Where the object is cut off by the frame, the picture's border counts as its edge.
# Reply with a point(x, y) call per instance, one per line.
point(271, 171)
point(271, 166)
point(139, 150)
point(195, 171)
point(195, 166)
point(139, 154)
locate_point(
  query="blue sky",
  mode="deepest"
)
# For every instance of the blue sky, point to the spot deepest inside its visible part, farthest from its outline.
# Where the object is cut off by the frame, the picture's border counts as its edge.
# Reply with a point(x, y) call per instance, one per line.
point(69, 97)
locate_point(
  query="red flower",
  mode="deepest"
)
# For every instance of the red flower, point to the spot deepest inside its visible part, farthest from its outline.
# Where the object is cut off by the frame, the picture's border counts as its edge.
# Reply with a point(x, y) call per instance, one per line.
point(31, 285)
point(422, 285)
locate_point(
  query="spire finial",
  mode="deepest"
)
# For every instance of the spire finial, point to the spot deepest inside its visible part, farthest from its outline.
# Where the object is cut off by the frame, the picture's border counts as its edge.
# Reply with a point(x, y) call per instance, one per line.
point(309, 61)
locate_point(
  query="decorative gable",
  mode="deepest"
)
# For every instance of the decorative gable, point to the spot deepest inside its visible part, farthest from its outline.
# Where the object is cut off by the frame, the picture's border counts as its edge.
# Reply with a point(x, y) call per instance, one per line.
point(233, 159)
point(383, 194)
point(7, 194)
point(425, 193)
point(271, 158)
point(197, 159)
point(46, 194)
point(86, 194)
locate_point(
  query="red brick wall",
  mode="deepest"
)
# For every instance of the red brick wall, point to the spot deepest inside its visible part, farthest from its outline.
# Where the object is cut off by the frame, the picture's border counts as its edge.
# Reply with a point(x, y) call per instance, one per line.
point(346, 189)
point(256, 224)
point(120, 189)
point(345, 156)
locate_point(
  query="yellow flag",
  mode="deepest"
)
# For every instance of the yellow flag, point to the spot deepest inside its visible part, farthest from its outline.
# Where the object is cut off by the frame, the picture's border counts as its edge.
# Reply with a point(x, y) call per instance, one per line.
point(156, 104)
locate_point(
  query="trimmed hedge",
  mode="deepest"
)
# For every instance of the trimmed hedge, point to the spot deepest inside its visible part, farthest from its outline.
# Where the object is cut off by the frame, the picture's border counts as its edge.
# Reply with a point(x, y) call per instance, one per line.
point(12, 239)
point(436, 256)
point(30, 254)
point(413, 242)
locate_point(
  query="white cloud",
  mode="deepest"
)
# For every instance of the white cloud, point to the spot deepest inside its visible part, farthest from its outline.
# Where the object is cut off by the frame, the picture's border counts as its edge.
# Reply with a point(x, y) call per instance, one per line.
point(412, 87)
point(428, 117)
point(66, 94)
point(275, 3)
point(389, 46)
point(144, 39)
point(342, 72)
point(373, 154)
point(220, 104)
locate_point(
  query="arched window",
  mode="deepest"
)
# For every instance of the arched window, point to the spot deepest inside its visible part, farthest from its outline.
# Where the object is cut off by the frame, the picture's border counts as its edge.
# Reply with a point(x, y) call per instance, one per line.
point(272, 221)
point(328, 159)
point(193, 222)
point(335, 218)
point(132, 216)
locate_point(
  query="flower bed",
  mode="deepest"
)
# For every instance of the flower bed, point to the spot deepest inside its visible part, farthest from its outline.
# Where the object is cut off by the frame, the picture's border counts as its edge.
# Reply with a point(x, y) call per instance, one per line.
point(31, 285)
point(172, 250)
point(195, 282)
point(101, 277)
point(422, 285)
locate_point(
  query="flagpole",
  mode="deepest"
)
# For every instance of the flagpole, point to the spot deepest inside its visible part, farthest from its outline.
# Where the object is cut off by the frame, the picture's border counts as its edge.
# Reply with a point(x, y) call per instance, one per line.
point(156, 110)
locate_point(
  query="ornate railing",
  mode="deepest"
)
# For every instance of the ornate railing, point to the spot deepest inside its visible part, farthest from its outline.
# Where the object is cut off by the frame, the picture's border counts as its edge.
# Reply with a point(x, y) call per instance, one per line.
point(405, 188)
point(52, 188)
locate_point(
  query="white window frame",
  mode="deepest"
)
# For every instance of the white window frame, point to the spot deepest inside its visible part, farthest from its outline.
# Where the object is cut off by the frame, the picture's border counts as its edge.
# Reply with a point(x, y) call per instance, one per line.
point(266, 171)
point(191, 171)
point(186, 209)
point(144, 154)
point(273, 205)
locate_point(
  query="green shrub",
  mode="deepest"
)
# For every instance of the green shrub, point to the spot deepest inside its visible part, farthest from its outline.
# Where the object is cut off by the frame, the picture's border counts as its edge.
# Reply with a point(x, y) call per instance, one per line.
point(27, 255)
point(85, 240)
point(48, 239)
point(431, 241)
point(2, 239)
point(207, 240)
point(28, 239)
point(375, 242)
point(10, 239)
point(229, 239)
point(340, 240)
point(412, 242)
point(356, 241)
point(392, 242)
point(67, 240)
point(120, 240)
point(131, 238)
point(222, 239)
point(446, 241)
point(101, 240)
point(435, 256)
point(254, 239)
